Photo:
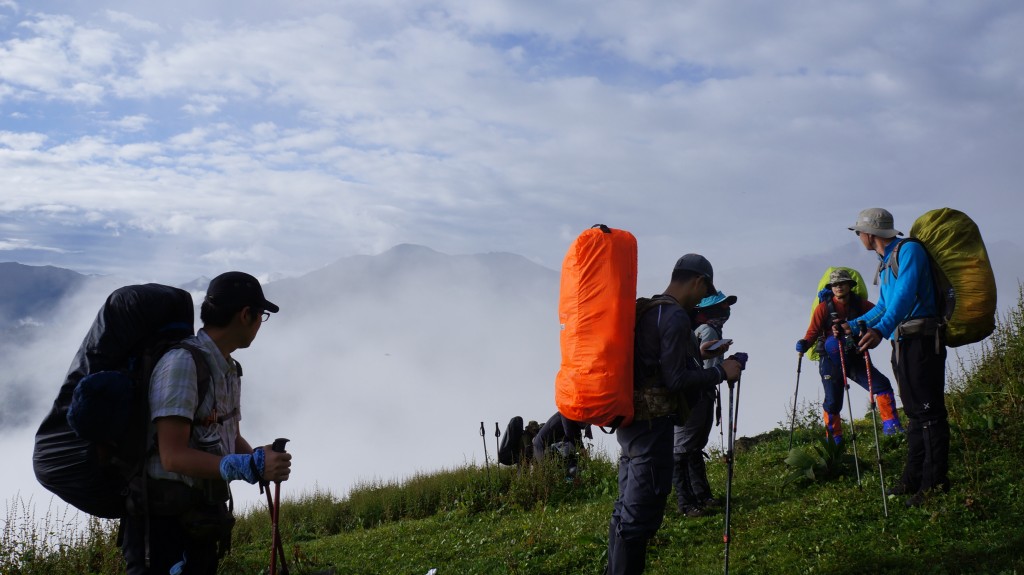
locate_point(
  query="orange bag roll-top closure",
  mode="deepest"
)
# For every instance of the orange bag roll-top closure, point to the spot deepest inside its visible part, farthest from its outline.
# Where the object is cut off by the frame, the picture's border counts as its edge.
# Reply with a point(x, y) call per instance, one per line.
point(597, 314)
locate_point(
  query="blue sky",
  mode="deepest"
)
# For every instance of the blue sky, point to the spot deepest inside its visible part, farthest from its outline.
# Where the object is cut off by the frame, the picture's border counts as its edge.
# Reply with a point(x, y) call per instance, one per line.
point(168, 141)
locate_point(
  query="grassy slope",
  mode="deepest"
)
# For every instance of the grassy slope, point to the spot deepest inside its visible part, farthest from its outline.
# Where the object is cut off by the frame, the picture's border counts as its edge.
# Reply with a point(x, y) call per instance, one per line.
point(473, 521)
point(459, 523)
point(833, 527)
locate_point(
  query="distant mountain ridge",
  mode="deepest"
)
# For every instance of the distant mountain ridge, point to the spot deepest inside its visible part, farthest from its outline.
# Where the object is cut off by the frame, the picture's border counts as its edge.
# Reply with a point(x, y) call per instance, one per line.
point(425, 308)
point(27, 292)
point(406, 267)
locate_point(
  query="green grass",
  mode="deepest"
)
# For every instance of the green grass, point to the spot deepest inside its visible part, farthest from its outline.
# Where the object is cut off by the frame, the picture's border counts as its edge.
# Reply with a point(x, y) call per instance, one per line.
point(471, 520)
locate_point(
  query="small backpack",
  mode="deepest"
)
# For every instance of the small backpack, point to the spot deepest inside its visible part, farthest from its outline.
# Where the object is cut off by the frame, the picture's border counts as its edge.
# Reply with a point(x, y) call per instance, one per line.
point(510, 450)
point(93, 442)
point(965, 287)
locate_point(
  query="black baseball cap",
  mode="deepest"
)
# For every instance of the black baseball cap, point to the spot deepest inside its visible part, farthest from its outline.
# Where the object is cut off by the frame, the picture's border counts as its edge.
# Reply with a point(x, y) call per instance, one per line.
point(238, 290)
point(698, 264)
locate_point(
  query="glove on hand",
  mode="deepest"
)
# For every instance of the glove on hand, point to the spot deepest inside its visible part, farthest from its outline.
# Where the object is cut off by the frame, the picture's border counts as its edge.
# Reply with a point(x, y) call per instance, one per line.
point(849, 344)
point(801, 345)
point(741, 358)
point(243, 466)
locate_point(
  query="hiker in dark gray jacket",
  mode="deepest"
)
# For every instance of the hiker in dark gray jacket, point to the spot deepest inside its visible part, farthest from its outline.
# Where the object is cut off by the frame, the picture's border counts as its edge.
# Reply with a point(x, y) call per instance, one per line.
point(666, 364)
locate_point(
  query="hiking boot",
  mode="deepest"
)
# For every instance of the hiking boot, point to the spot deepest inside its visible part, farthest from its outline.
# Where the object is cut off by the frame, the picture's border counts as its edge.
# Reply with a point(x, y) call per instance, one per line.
point(691, 510)
point(892, 427)
point(916, 500)
point(711, 502)
point(899, 488)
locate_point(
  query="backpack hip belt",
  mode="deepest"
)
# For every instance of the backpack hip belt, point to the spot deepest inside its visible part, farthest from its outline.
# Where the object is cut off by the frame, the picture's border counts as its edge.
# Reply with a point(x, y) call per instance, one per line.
point(654, 402)
point(921, 327)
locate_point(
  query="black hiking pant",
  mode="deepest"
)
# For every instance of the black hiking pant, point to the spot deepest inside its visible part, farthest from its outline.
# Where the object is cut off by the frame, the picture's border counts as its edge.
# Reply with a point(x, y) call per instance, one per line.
point(690, 478)
point(645, 480)
point(689, 472)
point(921, 376)
point(182, 523)
point(168, 544)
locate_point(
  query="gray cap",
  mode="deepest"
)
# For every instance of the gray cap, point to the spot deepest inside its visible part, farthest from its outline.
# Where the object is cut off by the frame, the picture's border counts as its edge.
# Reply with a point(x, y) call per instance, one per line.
point(839, 276)
point(877, 222)
point(699, 264)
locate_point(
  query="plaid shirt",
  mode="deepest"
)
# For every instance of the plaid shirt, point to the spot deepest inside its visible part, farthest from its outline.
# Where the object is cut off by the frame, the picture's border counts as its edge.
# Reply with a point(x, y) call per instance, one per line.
point(173, 393)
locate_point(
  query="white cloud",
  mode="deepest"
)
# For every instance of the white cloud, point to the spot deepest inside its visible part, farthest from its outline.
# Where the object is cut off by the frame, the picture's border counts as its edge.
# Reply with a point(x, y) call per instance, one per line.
point(352, 129)
point(11, 244)
point(134, 123)
point(204, 104)
point(132, 22)
point(22, 141)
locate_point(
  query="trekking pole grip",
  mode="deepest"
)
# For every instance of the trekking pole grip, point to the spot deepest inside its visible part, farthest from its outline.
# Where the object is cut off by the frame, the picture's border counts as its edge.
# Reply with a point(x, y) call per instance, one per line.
point(278, 445)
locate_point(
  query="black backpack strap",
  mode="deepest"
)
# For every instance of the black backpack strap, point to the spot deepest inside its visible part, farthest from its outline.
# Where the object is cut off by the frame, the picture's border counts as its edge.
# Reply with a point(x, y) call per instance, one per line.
point(204, 377)
point(856, 307)
point(893, 262)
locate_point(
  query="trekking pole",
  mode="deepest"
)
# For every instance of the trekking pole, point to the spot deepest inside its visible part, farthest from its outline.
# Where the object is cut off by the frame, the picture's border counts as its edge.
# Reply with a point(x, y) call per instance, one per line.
point(792, 421)
point(736, 414)
point(731, 433)
point(275, 546)
point(497, 440)
point(849, 407)
point(862, 327)
point(718, 414)
point(487, 463)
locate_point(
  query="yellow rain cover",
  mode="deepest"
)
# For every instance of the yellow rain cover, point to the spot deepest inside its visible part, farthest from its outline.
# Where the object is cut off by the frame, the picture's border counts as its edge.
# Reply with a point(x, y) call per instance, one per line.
point(860, 289)
point(954, 243)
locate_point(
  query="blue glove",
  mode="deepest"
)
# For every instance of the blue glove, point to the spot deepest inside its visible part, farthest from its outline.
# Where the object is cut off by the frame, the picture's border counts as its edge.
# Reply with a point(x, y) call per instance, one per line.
point(741, 358)
point(801, 345)
point(243, 466)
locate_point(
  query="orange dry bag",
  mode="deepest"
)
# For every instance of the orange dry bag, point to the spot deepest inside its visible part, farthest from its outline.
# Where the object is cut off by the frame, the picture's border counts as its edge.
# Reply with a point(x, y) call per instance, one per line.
point(597, 312)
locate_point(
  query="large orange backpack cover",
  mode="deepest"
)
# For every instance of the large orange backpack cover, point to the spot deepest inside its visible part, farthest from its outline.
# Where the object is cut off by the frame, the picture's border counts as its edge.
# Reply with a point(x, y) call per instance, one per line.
point(597, 313)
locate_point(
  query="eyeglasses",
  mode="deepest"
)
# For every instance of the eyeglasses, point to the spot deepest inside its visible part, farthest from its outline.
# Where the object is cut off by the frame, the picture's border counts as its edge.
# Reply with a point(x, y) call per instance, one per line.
point(857, 232)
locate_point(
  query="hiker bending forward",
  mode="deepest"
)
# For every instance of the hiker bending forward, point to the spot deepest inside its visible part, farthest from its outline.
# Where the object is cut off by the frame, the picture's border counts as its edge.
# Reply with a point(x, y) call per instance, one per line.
point(690, 474)
point(907, 315)
point(841, 301)
point(198, 448)
point(667, 364)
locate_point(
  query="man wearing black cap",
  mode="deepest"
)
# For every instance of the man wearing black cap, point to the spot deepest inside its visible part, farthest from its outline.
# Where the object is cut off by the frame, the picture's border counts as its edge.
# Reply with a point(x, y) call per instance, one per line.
point(907, 314)
point(666, 365)
point(198, 446)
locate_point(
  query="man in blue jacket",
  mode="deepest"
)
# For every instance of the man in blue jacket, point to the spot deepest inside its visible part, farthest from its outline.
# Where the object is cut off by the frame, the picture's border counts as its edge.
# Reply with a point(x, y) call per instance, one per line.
point(666, 366)
point(907, 315)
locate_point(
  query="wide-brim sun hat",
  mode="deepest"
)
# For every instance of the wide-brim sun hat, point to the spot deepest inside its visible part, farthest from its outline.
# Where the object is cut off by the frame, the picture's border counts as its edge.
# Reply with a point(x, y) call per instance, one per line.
point(877, 222)
point(839, 276)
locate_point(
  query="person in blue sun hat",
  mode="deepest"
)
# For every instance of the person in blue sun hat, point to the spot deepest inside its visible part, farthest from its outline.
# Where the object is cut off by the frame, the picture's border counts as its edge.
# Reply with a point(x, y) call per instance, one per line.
point(689, 472)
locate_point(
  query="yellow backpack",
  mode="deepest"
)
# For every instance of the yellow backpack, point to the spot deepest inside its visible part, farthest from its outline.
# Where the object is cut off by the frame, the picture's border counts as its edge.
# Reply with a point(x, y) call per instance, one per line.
point(965, 287)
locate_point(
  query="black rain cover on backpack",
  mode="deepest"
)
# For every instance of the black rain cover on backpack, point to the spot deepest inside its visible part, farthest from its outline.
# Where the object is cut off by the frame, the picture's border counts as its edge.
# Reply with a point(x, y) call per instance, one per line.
point(510, 449)
point(135, 326)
